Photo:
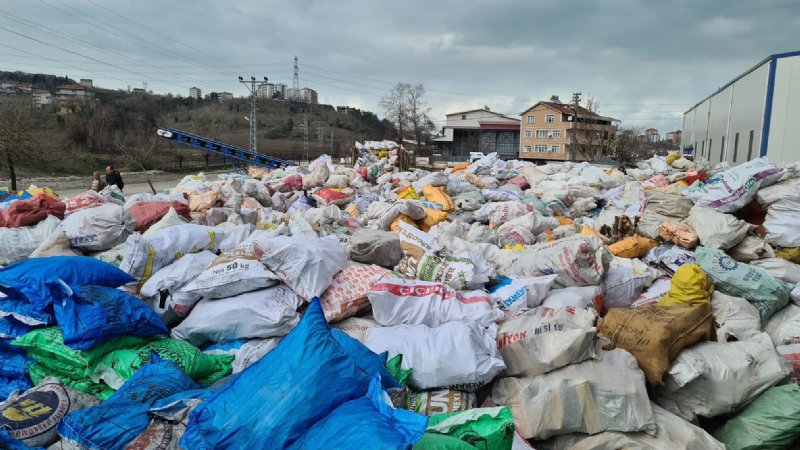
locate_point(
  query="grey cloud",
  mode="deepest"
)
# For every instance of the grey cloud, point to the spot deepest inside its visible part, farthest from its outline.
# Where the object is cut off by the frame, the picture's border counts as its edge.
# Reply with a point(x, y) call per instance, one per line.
point(641, 60)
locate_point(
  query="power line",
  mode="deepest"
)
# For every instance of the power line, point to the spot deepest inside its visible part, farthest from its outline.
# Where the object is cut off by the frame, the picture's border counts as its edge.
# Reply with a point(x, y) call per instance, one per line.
point(67, 37)
point(142, 42)
point(166, 36)
point(68, 65)
point(78, 54)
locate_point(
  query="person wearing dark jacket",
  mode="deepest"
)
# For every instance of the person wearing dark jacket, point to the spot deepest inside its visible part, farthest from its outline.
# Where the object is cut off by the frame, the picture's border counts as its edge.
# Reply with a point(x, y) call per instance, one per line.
point(113, 177)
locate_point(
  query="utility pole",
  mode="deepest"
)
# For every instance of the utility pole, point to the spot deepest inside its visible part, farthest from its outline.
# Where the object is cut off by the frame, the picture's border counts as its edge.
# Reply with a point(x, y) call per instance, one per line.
point(305, 134)
point(251, 86)
point(296, 82)
point(576, 100)
point(320, 137)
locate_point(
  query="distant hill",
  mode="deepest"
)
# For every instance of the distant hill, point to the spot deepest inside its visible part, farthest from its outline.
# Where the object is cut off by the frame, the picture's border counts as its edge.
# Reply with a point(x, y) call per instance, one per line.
point(78, 137)
point(38, 80)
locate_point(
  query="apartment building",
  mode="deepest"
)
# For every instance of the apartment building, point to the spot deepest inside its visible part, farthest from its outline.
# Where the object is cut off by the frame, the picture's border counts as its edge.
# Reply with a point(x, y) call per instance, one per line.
point(72, 91)
point(41, 97)
point(195, 92)
point(548, 131)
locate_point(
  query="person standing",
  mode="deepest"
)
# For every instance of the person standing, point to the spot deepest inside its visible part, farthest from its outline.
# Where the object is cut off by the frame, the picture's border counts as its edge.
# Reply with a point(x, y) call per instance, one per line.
point(97, 183)
point(114, 177)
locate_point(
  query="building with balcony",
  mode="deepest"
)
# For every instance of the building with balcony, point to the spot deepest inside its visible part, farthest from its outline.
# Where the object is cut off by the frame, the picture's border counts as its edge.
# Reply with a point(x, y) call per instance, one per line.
point(41, 97)
point(195, 93)
point(560, 132)
point(72, 92)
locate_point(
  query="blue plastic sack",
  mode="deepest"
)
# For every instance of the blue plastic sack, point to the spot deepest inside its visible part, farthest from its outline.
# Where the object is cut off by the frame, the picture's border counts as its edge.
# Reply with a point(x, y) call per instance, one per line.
point(366, 359)
point(95, 314)
point(8, 442)
point(118, 420)
point(33, 278)
point(13, 364)
point(273, 402)
point(366, 423)
point(24, 311)
point(9, 386)
point(12, 329)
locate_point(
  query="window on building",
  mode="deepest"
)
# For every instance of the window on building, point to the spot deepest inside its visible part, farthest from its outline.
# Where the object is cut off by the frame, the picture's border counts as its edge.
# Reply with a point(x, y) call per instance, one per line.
point(736, 147)
point(750, 145)
point(526, 149)
point(550, 118)
point(555, 148)
point(541, 148)
point(541, 133)
point(528, 133)
point(722, 150)
point(463, 117)
point(556, 133)
point(531, 119)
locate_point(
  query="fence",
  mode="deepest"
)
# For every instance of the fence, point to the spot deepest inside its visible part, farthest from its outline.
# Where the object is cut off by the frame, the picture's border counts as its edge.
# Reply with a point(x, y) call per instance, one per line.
point(175, 165)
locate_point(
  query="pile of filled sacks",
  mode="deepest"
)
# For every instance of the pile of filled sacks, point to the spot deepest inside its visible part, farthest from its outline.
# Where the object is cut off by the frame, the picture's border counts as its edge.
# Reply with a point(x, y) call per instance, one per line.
point(496, 304)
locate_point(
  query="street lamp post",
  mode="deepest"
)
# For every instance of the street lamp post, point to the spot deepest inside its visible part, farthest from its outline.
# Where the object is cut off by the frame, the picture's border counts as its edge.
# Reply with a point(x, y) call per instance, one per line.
point(251, 86)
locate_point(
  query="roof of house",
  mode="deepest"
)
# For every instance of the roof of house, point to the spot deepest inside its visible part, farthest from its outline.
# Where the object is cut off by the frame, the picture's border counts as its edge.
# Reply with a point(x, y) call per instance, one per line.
point(73, 86)
point(563, 108)
point(479, 109)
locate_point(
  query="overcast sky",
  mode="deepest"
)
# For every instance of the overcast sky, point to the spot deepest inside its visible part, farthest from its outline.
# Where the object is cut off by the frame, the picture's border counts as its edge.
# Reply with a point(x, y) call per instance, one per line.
point(646, 62)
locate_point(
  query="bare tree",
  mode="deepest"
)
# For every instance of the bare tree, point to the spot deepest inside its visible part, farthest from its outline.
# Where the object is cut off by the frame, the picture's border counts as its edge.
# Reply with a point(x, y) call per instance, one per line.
point(419, 114)
point(628, 148)
point(395, 106)
point(592, 104)
point(137, 147)
point(15, 139)
point(593, 140)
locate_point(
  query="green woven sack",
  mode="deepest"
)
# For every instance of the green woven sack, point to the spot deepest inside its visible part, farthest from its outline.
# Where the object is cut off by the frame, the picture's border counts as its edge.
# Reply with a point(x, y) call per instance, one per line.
point(772, 421)
point(118, 366)
point(482, 428)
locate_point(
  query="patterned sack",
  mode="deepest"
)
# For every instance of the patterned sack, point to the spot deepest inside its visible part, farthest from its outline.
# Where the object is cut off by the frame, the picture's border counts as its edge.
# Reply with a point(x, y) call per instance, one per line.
point(347, 294)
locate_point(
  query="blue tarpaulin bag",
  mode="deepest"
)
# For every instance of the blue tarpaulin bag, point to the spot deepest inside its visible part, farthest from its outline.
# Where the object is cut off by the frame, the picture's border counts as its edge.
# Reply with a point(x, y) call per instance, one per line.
point(11, 328)
point(32, 278)
point(114, 423)
point(9, 386)
point(276, 400)
point(366, 423)
point(23, 311)
point(13, 362)
point(367, 360)
point(95, 314)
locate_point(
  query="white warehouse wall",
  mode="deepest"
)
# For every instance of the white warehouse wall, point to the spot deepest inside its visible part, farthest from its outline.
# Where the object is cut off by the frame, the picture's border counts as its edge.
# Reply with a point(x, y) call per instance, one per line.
point(747, 114)
point(737, 107)
point(783, 144)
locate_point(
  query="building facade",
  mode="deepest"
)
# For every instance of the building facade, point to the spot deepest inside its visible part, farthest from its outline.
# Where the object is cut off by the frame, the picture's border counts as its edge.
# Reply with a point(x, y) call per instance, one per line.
point(478, 130)
point(756, 114)
point(674, 137)
point(41, 97)
point(87, 83)
point(548, 131)
point(652, 135)
point(72, 92)
point(265, 90)
point(195, 93)
point(308, 95)
point(225, 96)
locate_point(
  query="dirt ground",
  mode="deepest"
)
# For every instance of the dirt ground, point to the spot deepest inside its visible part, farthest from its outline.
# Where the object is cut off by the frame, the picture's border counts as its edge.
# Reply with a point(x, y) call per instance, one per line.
point(69, 186)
